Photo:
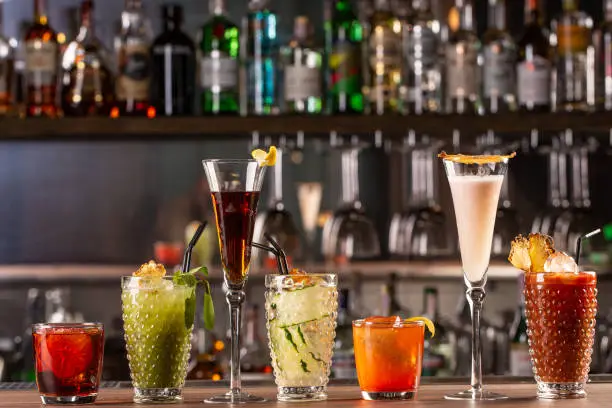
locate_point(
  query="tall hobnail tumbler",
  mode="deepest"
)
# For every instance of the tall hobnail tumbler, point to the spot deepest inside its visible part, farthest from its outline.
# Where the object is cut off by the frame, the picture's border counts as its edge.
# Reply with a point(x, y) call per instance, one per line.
point(235, 187)
point(301, 315)
point(158, 318)
point(475, 183)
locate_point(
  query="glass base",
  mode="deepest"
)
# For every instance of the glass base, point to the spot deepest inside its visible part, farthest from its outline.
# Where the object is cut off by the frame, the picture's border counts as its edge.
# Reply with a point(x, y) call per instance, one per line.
point(61, 400)
point(234, 398)
point(476, 395)
point(388, 396)
point(302, 393)
point(157, 395)
point(561, 390)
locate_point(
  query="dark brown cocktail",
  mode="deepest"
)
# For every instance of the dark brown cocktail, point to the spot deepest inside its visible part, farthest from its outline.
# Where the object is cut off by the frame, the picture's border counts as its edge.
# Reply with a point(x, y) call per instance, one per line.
point(561, 310)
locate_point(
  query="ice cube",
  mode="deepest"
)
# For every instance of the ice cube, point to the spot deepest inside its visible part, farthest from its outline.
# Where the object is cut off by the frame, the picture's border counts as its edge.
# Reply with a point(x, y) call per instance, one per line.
point(560, 262)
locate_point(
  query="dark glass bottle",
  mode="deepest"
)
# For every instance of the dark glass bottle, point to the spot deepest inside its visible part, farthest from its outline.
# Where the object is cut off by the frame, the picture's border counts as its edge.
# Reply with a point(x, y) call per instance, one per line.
point(520, 361)
point(173, 55)
point(132, 46)
point(344, 36)
point(534, 64)
point(7, 72)
point(41, 64)
point(219, 50)
point(87, 83)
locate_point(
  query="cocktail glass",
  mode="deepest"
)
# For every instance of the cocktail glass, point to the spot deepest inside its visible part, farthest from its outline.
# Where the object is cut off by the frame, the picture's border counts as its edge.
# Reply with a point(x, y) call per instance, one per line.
point(475, 183)
point(68, 359)
point(158, 318)
point(301, 315)
point(235, 187)
point(561, 310)
point(388, 356)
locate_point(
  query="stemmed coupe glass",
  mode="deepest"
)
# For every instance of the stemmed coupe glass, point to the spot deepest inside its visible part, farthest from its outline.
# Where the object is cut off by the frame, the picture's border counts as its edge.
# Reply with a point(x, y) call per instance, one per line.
point(475, 183)
point(235, 186)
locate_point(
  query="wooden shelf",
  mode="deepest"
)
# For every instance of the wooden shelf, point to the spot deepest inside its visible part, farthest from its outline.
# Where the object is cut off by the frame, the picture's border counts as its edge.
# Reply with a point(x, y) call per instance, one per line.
point(321, 126)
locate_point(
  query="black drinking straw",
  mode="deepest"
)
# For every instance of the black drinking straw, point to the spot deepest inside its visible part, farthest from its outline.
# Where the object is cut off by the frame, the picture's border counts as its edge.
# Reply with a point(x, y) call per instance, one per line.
point(281, 257)
point(579, 243)
point(192, 243)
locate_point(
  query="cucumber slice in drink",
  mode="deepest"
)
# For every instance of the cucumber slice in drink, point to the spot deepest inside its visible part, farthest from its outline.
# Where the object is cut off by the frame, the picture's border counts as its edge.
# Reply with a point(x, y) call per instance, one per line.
point(301, 305)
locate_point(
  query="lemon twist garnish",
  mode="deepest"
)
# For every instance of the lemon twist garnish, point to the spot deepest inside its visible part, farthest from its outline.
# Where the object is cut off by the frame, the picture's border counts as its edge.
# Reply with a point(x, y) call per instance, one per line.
point(263, 158)
point(428, 323)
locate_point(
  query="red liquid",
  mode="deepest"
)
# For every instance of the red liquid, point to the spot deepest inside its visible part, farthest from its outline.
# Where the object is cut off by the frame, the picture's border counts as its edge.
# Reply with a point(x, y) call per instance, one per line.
point(68, 360)
point(235, 213)
point(561, 310)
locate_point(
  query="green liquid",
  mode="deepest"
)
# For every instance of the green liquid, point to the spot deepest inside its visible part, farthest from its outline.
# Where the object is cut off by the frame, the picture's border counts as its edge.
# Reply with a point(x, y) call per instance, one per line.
point(158, 333)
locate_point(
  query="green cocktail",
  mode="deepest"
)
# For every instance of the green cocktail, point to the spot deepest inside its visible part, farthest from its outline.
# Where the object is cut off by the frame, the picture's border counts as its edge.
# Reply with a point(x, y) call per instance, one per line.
point(158, 318)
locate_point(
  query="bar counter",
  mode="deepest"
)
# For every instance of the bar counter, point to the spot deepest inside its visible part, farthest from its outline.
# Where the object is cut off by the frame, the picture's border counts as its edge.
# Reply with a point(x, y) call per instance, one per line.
point(520, 394)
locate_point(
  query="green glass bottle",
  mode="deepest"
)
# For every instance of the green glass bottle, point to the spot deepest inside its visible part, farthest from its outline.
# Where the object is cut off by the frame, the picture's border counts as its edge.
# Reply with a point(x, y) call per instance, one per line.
point(219, 50)
point(344, 35)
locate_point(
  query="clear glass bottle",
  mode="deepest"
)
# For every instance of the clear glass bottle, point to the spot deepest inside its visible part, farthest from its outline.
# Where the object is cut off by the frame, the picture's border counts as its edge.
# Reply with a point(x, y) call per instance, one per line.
point(42, 53)
point(534, 64)
point(132, 45)
point(259, 50)
point(302, 64)
point(173, 64)
point(219, 49)
point(573, 28)
point(385, 60)
point(343, 359)
point(7, 66)
point(499, 51)
point(439, 353)
point(344, 37)
point(422, 73)
point(87, 81)
point(603, 50)
point(462, 58)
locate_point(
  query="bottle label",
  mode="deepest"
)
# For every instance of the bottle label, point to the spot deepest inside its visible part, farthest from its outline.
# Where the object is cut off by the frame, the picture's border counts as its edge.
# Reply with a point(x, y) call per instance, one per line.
point(345, 67)
point(302, 82)
point(218, 71)
point(134, 73)
point(41, 63)
point(520, 360)
point(385, 49)
point(461, 71)
point(534, 82)
point(572, 39)
point(498, 71)
point(422, 45)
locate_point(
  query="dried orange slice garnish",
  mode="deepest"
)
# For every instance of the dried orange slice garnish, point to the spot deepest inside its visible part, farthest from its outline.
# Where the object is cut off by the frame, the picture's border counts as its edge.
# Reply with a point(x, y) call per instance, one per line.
point(477, 159)
point(150, 270)
point(263, 158)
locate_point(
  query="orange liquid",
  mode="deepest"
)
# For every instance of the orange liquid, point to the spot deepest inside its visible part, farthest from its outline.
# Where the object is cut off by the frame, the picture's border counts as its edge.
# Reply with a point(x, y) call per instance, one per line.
point(388, 359)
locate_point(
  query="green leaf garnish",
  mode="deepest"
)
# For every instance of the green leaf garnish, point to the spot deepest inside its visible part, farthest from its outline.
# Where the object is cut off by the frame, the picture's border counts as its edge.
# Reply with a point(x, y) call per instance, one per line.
point(191, 279)
point(209, 308)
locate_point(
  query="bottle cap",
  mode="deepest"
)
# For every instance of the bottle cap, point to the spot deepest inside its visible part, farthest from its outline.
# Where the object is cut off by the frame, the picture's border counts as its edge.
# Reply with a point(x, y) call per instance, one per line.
point(172, 12)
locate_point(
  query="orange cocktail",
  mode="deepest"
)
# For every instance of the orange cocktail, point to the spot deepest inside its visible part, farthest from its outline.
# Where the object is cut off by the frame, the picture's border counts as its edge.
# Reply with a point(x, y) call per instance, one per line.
point(388, 356)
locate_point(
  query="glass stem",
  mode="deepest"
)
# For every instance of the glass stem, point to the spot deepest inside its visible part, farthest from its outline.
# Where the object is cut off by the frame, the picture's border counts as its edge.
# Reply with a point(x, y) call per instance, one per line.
point(235, 299)
point(475, 297)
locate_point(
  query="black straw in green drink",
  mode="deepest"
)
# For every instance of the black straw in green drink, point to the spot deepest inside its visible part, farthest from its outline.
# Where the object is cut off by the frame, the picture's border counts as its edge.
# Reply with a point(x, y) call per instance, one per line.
point(192, 243)
point(579, 243)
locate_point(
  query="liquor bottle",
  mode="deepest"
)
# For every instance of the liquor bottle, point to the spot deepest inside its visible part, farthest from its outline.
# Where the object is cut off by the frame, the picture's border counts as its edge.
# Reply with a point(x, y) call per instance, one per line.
point(438, 356)
point(173, 63)
point(255, 354)
point(573, 29)
point(422, 78)
point(206, 365)
point(7, 76)
point(603, 50)
point(259, 51)
point(520, 361)
point(134, 71)
point(344, 38)
point(343, 359)
point(385, 60)
point(302, 63)
point(389, 304)
point(534, 66)
point(499, 83)
point(462, 64)
point(87, 82)
point(41, 64)
point(219, 45)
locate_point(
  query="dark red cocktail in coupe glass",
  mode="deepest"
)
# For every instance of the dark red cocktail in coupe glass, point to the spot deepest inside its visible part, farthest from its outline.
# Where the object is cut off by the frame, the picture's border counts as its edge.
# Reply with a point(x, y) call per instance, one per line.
point(68, 359)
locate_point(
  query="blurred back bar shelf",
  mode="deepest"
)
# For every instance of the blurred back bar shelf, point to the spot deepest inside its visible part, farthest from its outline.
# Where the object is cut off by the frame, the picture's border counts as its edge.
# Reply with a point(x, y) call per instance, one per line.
point(219, 128)
point(379, 270)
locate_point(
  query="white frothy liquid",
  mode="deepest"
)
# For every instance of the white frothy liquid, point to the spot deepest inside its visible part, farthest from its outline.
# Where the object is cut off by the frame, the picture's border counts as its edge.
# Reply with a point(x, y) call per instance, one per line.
point(475, 199)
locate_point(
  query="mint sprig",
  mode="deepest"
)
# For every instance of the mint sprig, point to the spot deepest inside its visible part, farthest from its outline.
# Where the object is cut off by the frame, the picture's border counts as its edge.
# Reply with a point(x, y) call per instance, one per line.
point(193, 278)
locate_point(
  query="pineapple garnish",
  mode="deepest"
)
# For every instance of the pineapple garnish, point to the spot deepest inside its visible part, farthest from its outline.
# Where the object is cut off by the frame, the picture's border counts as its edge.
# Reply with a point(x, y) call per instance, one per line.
point(530, 254)
point(519, 253)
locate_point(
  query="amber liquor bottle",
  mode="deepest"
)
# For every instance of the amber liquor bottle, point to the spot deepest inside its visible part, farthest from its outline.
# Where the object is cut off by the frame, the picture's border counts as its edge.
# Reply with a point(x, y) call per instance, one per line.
point(41, 64)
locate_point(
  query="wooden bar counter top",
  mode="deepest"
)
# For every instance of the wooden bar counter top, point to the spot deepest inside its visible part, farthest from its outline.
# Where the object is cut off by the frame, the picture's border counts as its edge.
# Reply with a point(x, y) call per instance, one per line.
point(342, 396)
